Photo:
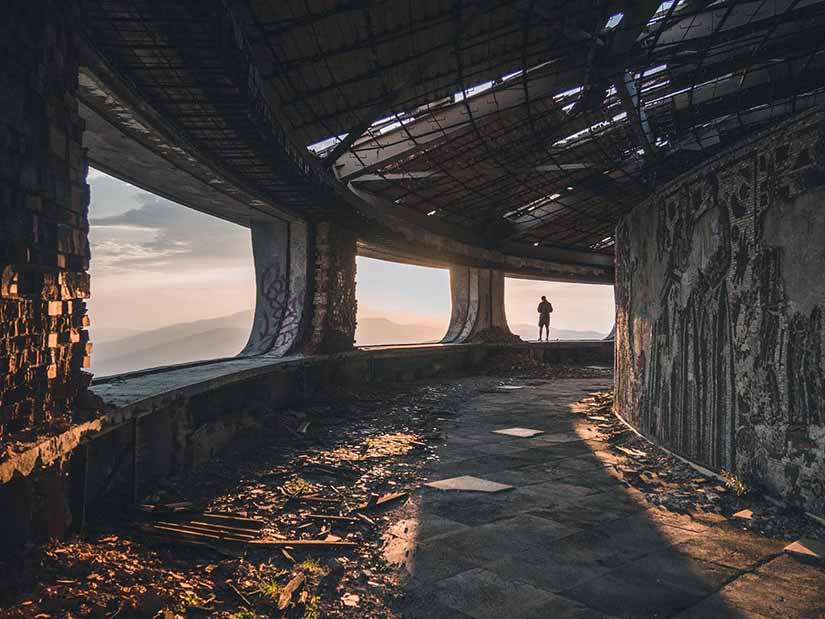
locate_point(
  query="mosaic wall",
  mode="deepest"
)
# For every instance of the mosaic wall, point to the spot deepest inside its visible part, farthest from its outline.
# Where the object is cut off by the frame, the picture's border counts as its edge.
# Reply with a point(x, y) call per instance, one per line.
point(44, 198)
point(720, 290)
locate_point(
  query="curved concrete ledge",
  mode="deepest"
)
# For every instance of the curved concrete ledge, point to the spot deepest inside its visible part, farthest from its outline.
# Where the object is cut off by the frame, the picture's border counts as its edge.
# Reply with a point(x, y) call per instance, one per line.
point(164, 421)
point(138, 394)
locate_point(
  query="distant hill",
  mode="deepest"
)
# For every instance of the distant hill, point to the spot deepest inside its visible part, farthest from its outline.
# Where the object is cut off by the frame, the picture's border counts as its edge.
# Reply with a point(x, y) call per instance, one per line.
point(178, 343)
point(226, 336)
point(377, 331)
point(531, 332)
point(106, 334)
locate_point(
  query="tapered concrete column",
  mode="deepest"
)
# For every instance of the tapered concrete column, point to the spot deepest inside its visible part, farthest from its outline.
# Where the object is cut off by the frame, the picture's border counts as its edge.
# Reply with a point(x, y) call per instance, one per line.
point(477, 306)
point(280, 250)
point(305, 277)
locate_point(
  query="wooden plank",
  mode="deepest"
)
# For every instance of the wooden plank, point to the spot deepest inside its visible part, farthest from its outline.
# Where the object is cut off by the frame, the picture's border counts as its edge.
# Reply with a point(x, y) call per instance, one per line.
point(300, 542)
point(329, 517)
point(210, 528)
point(387, 498)
point(165, 529)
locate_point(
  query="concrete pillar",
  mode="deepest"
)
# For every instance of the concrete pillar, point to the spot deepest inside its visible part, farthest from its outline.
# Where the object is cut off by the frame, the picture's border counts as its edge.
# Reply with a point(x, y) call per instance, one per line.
point(280, 251)
point(305, 279)
point(44, 250)
point(333, 304)
point(719, 312)
point(477, 306)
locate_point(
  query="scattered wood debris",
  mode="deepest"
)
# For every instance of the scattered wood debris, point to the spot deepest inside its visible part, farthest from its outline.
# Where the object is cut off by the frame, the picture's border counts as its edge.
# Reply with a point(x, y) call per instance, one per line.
point(289, 525)
point(672, 484)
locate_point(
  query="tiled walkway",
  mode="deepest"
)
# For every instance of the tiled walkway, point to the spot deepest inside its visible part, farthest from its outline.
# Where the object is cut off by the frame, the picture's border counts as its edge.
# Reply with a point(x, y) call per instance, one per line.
point(570, 540)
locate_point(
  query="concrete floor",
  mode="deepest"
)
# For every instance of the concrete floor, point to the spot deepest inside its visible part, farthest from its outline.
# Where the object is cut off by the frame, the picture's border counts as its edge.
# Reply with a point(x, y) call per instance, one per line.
point(570, 540)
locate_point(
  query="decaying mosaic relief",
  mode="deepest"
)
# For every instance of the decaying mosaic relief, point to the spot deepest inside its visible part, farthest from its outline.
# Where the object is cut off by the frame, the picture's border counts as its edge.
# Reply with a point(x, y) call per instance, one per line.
point(720, 290)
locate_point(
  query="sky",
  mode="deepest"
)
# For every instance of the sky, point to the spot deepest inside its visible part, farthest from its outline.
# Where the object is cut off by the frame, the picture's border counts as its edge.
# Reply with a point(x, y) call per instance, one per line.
point(156, 263)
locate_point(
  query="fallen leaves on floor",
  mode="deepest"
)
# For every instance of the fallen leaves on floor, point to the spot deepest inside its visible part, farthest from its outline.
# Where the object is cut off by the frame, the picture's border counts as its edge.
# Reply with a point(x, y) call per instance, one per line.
point(288, 522)
point(672, 484)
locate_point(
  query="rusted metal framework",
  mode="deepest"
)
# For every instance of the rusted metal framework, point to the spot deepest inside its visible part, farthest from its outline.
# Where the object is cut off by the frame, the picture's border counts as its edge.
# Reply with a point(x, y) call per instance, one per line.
point(525, 124)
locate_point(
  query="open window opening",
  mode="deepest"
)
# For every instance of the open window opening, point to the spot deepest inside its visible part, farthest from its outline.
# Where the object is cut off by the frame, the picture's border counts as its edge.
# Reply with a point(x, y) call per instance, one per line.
point(169, 284)
point(401, 303)
point(580, 311)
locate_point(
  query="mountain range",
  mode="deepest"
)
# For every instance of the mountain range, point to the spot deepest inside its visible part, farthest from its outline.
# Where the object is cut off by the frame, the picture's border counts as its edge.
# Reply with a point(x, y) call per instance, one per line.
point(117, 350)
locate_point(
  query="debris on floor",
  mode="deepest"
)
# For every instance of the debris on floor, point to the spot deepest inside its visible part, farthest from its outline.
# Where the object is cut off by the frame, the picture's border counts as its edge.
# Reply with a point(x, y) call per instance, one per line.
point(519, 432)
point(812, 548)
point(288, 522)
point(672, 484)
point(468, 483)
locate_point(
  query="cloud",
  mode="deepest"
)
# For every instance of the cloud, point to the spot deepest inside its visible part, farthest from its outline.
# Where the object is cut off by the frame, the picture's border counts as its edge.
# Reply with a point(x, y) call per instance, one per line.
point(157, 233)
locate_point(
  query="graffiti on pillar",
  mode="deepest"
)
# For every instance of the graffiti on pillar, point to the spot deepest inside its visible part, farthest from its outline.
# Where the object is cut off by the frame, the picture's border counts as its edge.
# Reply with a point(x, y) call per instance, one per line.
point(719, 313)
point(271, 307)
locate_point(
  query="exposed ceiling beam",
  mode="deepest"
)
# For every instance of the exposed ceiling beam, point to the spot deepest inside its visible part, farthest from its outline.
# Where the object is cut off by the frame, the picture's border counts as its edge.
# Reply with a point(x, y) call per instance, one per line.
point(399, 176)
point(563, 167)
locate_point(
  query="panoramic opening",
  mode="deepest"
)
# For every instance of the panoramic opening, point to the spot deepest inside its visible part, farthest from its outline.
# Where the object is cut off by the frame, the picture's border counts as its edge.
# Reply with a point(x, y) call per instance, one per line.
point(401, 303)
point(171, 284)
point(580, 311)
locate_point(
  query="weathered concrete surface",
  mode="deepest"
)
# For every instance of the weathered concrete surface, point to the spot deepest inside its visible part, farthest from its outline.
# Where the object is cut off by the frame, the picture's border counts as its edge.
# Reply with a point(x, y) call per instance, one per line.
point(44, 198)
point(570, 539)
point(477, 297)
point(281, 253)
point(334, 306)
point(719, 306)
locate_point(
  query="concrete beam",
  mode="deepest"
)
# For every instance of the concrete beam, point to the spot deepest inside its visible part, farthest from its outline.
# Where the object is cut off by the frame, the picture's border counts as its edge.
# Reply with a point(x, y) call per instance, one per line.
point(418, 235)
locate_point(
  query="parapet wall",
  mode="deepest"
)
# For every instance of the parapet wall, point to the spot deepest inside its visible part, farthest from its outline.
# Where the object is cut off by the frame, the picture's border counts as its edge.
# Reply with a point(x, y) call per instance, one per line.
point(164, 422)
point(720, 291)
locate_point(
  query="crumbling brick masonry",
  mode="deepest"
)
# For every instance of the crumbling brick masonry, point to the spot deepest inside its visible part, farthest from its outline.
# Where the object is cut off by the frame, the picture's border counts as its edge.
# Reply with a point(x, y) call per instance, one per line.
point(44, 249)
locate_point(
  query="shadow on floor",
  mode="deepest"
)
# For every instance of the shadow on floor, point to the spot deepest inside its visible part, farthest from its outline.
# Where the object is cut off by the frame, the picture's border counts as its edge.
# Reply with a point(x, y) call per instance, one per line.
point(570, 539)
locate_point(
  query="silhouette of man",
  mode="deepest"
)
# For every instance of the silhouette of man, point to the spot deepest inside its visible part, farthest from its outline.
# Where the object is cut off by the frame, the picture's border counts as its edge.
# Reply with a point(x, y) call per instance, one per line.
point(544, 309)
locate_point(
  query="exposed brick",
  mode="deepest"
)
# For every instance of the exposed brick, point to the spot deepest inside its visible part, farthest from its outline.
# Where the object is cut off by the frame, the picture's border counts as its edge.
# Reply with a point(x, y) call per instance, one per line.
point(43, 218)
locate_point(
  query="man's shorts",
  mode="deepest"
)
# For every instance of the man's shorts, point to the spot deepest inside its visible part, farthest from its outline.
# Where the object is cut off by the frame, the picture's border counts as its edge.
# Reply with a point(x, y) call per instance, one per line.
point(544, 321)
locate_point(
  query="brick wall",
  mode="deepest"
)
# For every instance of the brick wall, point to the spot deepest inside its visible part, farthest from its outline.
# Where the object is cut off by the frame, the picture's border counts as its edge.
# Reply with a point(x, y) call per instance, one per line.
point(333, 296)
point(44, 249)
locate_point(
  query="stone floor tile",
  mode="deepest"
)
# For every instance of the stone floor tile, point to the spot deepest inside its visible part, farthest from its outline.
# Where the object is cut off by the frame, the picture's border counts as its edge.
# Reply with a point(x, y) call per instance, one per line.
point(484, 595)
point(625, 595)
point(468, 483)
point(424, 527)
point(812, 548)
point(775, 598)
point(431, 562)
point(681, 571)
point(509, 536)
point(422, 604)
point(716, 607)
point(474, 509)
point(732, 548)
point(566, 566)
point(519, 432)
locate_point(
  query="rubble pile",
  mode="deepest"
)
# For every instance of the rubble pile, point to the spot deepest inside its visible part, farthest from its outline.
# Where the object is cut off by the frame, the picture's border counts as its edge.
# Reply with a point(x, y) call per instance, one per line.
point(494, 335)
point(522, 364)
point(672, 484)
point(288, 524)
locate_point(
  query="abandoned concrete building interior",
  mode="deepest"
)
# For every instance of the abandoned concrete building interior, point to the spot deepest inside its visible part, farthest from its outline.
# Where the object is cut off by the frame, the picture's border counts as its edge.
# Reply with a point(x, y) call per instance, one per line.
point(672, 150)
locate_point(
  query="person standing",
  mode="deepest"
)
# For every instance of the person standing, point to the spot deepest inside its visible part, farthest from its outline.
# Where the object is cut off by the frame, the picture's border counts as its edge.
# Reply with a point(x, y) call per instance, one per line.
point(544, 309)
